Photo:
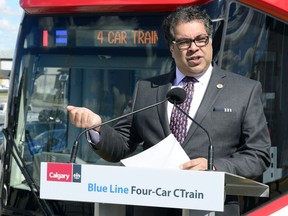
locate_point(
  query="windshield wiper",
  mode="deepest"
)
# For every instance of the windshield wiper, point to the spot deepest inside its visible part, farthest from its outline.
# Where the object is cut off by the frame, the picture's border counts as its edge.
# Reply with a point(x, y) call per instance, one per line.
point(24, 170)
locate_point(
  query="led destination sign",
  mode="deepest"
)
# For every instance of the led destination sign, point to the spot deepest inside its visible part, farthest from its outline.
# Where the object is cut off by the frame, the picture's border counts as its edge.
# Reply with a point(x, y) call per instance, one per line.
point(99, 38)
point(126, 37)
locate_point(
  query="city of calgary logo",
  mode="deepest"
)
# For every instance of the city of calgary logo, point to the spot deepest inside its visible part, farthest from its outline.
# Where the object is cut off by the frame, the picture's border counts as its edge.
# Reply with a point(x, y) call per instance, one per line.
point(63, 172)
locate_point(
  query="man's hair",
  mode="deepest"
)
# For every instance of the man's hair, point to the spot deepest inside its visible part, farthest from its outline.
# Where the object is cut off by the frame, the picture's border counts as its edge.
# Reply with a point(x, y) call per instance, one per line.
point(185, 14)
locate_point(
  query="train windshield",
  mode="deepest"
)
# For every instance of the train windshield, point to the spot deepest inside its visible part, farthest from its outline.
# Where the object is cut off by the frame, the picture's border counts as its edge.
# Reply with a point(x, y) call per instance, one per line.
point(88, 60)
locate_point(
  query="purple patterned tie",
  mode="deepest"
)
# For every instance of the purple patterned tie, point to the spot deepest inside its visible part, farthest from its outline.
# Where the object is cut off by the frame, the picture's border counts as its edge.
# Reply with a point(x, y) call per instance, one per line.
point(178, 121)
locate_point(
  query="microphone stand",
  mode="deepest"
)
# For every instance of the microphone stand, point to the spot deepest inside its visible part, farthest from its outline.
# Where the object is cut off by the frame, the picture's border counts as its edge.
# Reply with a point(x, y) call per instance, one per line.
point(76, 142)
point(210, 160)
point(177, 95)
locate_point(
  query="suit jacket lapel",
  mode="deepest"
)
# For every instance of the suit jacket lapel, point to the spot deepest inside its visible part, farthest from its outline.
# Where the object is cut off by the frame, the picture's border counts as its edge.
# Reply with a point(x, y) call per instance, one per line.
point(211, 94)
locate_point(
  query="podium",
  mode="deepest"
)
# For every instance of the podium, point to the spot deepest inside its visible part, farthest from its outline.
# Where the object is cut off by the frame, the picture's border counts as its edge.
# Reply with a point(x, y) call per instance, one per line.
point(197, 190)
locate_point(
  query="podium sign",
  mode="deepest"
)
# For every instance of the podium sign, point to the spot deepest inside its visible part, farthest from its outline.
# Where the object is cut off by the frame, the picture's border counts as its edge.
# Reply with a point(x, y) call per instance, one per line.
point(199, 190)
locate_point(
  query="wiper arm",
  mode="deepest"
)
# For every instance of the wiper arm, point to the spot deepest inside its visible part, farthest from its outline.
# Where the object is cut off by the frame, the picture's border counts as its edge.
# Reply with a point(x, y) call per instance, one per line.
point(24, 170)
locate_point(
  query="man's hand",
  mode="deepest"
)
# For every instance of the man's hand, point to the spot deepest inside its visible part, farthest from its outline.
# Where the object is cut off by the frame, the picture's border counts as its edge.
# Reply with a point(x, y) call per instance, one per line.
point(83, 117)
point(195, 164)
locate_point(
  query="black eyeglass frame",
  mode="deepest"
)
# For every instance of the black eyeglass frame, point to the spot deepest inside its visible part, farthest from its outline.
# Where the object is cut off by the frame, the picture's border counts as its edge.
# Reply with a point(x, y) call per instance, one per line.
point(190, 41)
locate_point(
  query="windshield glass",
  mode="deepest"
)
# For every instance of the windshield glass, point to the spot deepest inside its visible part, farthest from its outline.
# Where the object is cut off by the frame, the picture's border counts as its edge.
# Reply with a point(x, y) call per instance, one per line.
point(90, 61)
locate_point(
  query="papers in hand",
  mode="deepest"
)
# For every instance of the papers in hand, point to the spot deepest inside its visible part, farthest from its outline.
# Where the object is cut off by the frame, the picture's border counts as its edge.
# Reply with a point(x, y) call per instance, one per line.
point(166, 154)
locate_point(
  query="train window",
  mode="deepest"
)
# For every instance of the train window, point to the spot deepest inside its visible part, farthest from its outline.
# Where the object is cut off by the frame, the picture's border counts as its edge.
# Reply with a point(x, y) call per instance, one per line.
point(256, 46)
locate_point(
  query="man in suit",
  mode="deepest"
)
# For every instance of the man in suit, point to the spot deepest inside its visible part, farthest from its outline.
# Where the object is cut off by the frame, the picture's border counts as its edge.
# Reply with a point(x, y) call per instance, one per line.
point(227, 105)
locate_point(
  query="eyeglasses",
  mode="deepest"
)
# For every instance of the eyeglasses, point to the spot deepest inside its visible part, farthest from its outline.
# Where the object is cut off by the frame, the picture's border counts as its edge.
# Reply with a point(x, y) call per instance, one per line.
point(185, 44)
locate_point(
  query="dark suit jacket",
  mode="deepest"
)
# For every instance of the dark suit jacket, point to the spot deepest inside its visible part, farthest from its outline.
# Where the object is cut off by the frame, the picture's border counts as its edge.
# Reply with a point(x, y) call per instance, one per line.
point(240, 137)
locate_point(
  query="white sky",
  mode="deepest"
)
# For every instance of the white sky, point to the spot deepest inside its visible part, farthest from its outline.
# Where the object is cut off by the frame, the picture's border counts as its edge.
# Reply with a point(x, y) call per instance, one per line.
point(10, 17)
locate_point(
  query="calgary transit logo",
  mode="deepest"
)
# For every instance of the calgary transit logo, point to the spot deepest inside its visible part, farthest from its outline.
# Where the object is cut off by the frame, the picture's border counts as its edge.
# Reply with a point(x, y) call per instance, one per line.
point(63, 172)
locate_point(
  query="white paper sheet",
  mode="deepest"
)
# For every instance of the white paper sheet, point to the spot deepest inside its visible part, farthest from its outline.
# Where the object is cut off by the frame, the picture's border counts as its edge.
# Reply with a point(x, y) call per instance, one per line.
point(166, 154)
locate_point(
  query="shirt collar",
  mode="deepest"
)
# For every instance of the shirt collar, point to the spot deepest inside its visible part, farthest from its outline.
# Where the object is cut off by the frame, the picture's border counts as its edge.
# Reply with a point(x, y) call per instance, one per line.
point(203, 78)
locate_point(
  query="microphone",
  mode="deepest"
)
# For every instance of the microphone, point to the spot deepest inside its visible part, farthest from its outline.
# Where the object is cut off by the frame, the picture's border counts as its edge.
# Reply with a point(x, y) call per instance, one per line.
point(175, 100)
point(177, 95)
